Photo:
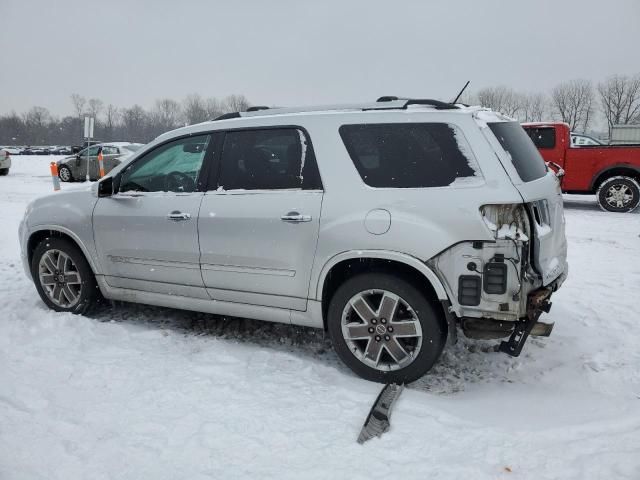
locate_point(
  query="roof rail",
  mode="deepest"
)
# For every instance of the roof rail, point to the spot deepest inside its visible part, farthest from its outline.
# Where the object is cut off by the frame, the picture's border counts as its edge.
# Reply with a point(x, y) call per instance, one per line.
point(383, 103)
point(226, 116)
point(257, 108)
point(419, 101)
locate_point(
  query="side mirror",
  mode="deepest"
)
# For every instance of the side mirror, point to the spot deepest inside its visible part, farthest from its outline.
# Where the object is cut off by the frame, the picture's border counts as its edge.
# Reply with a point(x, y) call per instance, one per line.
point(105, 187)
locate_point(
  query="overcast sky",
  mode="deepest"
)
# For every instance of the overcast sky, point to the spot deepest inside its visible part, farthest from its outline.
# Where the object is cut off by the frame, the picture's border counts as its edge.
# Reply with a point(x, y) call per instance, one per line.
point(303, 52)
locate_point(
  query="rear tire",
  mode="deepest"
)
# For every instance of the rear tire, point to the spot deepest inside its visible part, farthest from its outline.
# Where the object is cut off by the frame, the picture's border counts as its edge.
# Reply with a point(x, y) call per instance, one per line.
point(619, 194)
point(4, 171)
point(65, 174)
point(63, 277)
point(384, 329)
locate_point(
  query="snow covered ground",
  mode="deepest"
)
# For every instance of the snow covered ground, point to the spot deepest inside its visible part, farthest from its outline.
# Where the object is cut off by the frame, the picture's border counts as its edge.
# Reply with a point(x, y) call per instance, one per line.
point(138, 392)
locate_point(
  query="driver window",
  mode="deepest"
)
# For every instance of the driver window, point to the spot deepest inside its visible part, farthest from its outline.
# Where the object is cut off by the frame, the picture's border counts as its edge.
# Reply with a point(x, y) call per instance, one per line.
point(93, 151)
point(172, 167)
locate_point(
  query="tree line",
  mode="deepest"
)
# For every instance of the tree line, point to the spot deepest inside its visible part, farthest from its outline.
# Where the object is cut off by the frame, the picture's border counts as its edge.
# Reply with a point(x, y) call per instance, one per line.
point(579, 102)
point(135, 124)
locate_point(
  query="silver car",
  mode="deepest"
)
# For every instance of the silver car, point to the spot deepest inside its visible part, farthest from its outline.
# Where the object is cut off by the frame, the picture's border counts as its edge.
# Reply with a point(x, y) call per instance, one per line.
point(5, 161)
point(74, 167)
point(392, 225)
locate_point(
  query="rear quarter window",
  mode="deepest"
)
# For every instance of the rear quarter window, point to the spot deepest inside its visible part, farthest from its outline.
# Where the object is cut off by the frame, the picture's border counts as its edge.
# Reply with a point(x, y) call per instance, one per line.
point(542, 137)
point(523, 153)
point(415, 155)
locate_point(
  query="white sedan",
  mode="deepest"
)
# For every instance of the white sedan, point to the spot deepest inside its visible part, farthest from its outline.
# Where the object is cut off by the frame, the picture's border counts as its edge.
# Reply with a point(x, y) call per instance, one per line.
point(5, 162)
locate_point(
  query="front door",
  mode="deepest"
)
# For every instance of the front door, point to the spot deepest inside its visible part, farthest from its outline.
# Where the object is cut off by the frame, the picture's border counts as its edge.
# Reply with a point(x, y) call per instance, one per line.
point(259, 223)
point(147, 234)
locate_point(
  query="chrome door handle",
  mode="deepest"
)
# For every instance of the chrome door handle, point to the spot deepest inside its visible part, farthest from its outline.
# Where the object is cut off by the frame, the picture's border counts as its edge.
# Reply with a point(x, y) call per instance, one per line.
point(295, 217)
point(177, 216)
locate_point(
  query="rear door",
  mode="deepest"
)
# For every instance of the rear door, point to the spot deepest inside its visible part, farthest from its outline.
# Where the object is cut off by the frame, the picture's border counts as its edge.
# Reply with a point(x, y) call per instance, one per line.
point(540, 190)
point(146, 235)
point(259, 222)
point(110, 154)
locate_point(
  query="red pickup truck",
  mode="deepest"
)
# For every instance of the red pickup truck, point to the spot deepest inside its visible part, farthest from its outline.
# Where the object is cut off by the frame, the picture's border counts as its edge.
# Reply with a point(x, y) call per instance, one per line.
point(611, 172)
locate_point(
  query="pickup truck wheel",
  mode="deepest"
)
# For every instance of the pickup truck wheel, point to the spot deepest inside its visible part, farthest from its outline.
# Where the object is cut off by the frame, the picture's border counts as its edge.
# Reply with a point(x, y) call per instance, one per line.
point(65, 174)
point(619, 194)
point(63, 277)
point(384, 329)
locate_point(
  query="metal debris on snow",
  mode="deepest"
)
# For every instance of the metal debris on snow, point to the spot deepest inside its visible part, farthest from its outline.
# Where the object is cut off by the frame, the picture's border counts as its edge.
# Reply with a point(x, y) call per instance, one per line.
point(377, 421)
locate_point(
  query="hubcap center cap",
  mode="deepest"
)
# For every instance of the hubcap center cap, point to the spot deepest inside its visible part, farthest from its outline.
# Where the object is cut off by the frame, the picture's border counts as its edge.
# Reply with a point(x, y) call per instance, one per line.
point(381, 329)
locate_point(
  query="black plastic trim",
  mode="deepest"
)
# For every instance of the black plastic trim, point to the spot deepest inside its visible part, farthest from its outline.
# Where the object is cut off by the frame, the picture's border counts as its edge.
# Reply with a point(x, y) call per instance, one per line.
point(469, 289)
point(495, 278)
point(227, 116)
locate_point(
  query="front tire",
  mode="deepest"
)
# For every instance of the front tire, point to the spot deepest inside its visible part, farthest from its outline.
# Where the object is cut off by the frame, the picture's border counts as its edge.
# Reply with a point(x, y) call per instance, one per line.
point(64, 173)
point(4, 171)
point(619, 194)
point(63, 277)
point(384, 329)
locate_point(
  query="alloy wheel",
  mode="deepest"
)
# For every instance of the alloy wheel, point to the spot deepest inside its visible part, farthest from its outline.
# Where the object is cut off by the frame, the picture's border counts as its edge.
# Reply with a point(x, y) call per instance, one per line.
point(60, 278)
point(381, 330)
point(64, 174)
point(619, 195)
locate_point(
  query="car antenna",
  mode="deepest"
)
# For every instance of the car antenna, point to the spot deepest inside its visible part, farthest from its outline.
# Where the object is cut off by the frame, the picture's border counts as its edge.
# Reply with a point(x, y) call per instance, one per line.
point(461, 91)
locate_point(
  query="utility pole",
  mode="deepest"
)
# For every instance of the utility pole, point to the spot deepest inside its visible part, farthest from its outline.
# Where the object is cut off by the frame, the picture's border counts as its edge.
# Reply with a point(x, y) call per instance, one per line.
point(88, 133)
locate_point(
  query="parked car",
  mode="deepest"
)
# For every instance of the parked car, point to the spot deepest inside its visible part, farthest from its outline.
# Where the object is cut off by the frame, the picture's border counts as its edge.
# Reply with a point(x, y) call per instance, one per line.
point(611, 172)
point(388, 224)
point(5, 161)
point(12, 150)
point(60, 150)
point(580, 140)
point(74, 167)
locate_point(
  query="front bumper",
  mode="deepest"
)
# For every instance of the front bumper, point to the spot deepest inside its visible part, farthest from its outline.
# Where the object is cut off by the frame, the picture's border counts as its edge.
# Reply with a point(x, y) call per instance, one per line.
point(23, 235)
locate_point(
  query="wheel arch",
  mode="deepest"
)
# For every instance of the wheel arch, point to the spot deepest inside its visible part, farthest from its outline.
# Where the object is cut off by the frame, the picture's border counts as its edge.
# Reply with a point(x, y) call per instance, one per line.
point(619, 170)
point(347, 264)
point(36, 236)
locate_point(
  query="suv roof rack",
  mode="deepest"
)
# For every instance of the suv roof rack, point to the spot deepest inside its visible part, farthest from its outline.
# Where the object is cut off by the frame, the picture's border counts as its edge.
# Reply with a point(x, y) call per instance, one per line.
point(257, 108)
point(439, 105)
point(388, 102)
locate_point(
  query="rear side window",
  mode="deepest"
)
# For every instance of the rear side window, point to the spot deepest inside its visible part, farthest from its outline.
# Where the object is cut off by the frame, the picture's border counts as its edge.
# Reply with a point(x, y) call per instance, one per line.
point(268, 159)
point(524, 155)
point(414, 155)
point(542, 137)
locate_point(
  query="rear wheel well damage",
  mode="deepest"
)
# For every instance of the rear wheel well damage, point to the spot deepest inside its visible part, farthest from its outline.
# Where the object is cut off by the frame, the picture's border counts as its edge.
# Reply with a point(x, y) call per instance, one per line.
point(349, 268)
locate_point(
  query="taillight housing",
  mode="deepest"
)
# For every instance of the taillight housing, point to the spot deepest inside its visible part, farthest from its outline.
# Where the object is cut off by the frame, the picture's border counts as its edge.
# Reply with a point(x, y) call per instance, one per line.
point(506, 221)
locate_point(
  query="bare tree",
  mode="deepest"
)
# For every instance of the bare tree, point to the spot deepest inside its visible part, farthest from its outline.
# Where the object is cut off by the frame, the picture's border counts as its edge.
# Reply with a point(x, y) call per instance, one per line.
point(78, 103)
point(620, 99)
point(95, 108)
point(573, 103)
point(501, 99)
point(111, 114)
point(236, 103)
point(36, 121)
point(134, 122)
point(215, 108)
point(194, 109)
point(166, 115)
point(534, 107)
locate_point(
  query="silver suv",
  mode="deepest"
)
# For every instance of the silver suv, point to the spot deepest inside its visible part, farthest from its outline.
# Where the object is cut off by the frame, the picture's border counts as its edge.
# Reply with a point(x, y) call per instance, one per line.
point(391, 225)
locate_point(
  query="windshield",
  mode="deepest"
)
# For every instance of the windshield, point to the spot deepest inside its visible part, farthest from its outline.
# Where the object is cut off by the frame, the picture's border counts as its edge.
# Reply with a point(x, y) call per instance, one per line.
point(524, 155)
